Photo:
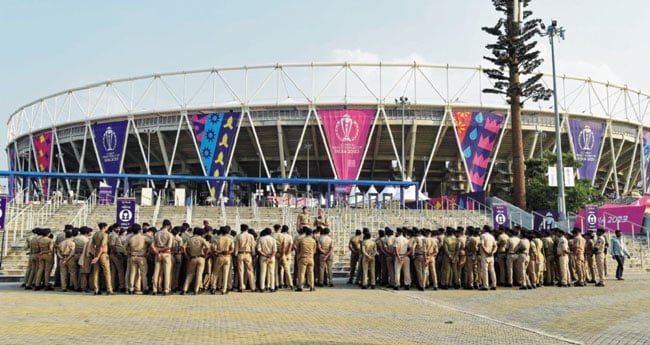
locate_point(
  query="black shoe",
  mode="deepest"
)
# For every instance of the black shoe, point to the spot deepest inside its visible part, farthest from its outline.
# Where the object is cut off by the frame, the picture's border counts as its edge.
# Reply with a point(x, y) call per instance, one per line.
point(28, 287)
point(298, 290)
point(483, 289)
point(164, 294)
point(493, 288)
point(64, 290)
point(212, 291)
point(312, 289)
point(372, 287)
point(97, 293)
point(395, 287)
point(49, 288)
point(523, 288)
point(620, 278)
point(349, 282)
point(223, 293)
point(435, 288)
point(79, 290)
point(330, 285)
point(182, 293)
point(364, 287)
point(153, 293)
point(110, 293)
point(421, 288)
point(407, 287)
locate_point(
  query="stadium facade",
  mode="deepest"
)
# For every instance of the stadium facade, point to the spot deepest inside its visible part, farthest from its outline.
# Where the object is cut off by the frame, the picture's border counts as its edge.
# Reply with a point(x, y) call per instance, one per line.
point(327, 121)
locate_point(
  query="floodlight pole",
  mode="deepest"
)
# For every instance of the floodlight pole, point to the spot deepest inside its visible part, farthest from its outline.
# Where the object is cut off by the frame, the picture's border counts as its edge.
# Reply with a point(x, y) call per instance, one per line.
point(552, 31)
point(403, 101)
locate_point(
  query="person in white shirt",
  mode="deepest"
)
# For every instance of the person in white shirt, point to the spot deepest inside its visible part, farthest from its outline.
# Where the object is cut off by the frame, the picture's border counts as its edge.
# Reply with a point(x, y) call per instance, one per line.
point(619, 251)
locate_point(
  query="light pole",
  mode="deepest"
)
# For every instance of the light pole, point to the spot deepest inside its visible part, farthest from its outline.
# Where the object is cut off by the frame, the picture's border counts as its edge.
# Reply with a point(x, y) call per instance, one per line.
point(308, 148)
point(403, 101)
point(552, 31)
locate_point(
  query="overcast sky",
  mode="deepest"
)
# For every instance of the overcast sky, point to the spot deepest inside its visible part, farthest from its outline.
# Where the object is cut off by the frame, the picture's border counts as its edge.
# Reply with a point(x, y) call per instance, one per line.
point(55, 45)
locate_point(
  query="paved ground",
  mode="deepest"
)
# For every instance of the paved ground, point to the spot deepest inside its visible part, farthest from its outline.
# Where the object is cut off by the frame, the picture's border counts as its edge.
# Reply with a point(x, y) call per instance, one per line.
point(616, 314)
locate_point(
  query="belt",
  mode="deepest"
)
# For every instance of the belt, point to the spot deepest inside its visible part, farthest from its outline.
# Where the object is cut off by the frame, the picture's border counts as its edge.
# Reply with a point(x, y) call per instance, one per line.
point(139, 256)
point(198, 256)
point(418, 254)
point(244, 252)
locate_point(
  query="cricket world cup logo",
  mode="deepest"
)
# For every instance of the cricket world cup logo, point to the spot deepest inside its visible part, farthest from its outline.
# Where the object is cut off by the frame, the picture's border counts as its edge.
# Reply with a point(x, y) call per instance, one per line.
point(109, 140)
point(347, 129)
point(586, 139)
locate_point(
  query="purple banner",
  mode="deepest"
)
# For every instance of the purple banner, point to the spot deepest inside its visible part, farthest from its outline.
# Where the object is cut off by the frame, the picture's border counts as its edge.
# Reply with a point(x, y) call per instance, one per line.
point(125, 212)
point(500, 215)
point(215, 137)
point(477, 132)
point(645, 164)
point(3, 211)
point(626, 218)
point(105, 195)
point(544, 220)
point(586, 136)
point(110, 138)
point(471, 201)
point(12, 166)
point(591, 217)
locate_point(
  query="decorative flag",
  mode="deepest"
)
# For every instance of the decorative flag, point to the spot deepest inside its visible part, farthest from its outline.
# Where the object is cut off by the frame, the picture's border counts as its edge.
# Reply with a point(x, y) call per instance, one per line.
point(110, 138)
point(43, 147)
point(215, 137)
point(645, 164)
point(347, 135)
point(476, 133)
point(586, 136)
point(500, 215)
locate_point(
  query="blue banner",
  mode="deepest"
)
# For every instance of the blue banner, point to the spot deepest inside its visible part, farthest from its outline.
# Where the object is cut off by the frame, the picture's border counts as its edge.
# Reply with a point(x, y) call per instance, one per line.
point(125, 212)
point(110, 138)
point(586, 137)
point(500, 215)
point(3, 212)
point(215, 137)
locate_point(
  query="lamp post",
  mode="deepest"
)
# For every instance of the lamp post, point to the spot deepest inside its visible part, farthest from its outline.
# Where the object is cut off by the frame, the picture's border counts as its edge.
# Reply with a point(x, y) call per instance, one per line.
point(308, 148)
point(552, 31)
point(403, 101)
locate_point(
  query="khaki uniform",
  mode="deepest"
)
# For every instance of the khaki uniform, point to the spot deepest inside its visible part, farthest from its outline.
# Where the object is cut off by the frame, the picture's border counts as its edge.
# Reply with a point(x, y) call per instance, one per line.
point(563, 260)
point(325, 245)
point(45, 261)
point(389, 245)
point(462, 258)
point(355, 251)
point(244, 248)
point(79, 244)
point(116, 249)
point(195, 249)
point(267, 248)
point(599, 251)
point(540, 265)
point(471, 264)
point(303, 220)
point(306, 261)
point(487, 260)
point(162, 242)
point(66, 252)
point(532, 264)
point(590, 260)
point(99, 242)
point(419, 260)
point(33, 261)
point(223, 250)
point(549, 259)
point(523, 257)
point(512, 273)
point(27, 248)
point(136, 248)
point(402, 266)
point(502, 257)
point(368, 252)
point(381, 262)
point(579, 258)
point(451, 249)
point(177, 263)
point(85, 266)
point(284, 261)
point(431, 251)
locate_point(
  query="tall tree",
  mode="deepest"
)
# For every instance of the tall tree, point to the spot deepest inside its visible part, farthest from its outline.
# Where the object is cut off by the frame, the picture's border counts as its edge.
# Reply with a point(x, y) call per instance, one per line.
point(514, 50)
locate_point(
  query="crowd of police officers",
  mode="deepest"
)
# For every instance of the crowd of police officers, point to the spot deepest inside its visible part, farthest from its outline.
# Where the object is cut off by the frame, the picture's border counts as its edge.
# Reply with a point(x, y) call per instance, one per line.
point(146, 260)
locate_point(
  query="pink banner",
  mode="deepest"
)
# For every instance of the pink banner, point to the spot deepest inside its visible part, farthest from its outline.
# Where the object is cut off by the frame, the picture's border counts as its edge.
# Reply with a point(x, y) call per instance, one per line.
point(43, 148)
point(626, 218)
point(347, 134)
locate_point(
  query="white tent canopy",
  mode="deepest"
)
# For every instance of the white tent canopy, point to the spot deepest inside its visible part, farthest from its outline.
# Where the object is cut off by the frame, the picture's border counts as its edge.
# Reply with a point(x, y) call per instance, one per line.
point(387, 193)
point(356, 196)
point(409, 194)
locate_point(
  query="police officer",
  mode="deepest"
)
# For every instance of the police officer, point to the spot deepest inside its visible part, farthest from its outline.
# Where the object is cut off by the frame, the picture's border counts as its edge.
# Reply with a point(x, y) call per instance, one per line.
point(100, 261)
point(223, 250)
point(244, 248)
point(195, 252)
point(368, 252)
point(161, 246)
point(305, 255)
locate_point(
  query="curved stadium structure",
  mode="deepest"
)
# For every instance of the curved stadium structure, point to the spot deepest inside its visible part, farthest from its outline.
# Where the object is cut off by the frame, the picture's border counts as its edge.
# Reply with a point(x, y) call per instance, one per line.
point(326, 121)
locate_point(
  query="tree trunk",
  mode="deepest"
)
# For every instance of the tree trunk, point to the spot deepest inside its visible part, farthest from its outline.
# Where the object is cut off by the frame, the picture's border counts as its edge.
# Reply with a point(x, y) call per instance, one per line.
point(519, 179)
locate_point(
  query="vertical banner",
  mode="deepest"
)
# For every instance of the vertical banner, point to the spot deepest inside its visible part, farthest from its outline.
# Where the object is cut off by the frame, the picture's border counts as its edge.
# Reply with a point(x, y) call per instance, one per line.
point(645, 164)
point(544, 220)
point(476, 133)
point(12, 166)
point(110, 138)
point(43, 147)
point(500, 215)
point(586, 136)
point(591, 217)
point(125, 212)
point(105, 194)
point(3, 212)
point(347, 134)
point(215, 137)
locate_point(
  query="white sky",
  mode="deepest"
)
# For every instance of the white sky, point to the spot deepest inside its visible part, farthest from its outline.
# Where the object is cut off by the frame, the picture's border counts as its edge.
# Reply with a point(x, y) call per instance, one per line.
point(52, 46)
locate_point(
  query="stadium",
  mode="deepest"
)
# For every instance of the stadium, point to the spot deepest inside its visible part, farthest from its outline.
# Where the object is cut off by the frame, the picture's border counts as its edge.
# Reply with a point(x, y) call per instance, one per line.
point(346, 121)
